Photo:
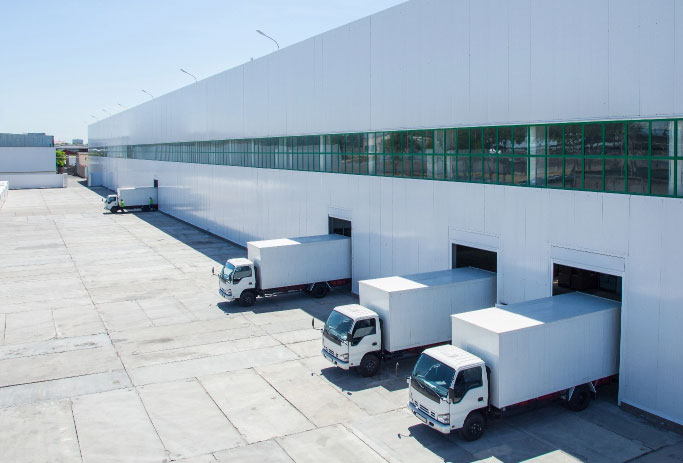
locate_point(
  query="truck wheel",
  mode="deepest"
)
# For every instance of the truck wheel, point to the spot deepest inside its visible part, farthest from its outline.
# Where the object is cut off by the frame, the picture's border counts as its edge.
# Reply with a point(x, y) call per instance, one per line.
point(369, 365)
point(145, 208)
point(114, 209)
point(473, 427)
point(247, 298)
point(319, 290)
point(580, 400)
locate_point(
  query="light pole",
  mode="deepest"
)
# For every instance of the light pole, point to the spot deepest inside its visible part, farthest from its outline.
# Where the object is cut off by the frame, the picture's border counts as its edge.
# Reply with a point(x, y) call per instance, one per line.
point(145, 91)
point(265, 35)
point(183, 70)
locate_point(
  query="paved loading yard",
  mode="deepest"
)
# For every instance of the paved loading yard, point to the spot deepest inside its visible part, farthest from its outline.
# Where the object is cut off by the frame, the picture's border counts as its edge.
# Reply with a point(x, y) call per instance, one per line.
point(114, 346)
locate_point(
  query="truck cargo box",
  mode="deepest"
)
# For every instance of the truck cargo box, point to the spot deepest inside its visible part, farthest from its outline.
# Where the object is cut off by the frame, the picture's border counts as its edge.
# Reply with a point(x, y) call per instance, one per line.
point(137, 196)
point(296, 261)
point(415, 309)
point(542, 346)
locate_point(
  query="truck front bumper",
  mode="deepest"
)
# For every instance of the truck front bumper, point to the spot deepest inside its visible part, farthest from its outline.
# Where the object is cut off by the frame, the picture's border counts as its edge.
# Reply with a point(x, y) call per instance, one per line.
point(428, 420)
point(338, 362)
point(225, 295)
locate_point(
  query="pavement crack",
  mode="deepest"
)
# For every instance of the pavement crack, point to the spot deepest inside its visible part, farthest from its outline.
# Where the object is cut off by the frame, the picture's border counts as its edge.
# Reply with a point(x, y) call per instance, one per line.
point(73, 417)
point(242, 436)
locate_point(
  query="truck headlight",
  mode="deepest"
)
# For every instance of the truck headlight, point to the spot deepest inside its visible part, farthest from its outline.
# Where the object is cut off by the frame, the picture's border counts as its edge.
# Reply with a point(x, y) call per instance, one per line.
point(445, 418)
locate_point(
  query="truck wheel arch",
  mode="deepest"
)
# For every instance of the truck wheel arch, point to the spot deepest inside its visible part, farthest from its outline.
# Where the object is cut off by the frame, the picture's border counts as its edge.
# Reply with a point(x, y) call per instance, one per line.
point(369, 365)
point(580, 398)
point(320, 290)
point(474, 426)
point(247, 298)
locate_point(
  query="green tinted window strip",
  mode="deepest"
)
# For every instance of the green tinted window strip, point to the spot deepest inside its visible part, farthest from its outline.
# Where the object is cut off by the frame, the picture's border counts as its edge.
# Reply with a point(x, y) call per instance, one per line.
point(294, 153)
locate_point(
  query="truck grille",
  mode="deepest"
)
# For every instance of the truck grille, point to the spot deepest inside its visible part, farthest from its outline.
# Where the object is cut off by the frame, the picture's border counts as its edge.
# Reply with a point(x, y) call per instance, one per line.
point(426, 410)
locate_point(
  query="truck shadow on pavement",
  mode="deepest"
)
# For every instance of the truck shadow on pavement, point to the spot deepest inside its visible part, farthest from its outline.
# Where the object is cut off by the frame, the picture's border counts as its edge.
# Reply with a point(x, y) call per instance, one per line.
point(317, 308)
point(389, 377)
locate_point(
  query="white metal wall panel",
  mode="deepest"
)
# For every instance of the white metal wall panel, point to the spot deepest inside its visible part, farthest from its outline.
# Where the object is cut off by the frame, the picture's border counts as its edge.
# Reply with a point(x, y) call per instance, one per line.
point(678, 59)
point(435, 63)
point(27, 159)
point(656, 64)
point(624, 59)
point(519, 61)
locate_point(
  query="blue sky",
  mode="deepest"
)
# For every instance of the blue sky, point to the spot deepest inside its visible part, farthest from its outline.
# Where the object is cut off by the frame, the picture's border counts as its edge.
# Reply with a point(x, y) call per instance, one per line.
point(62, 62)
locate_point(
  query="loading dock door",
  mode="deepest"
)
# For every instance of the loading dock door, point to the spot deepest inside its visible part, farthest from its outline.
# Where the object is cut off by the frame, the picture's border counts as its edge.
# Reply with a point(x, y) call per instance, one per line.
point(466, 256)
point(339, 226)
point(567, 279)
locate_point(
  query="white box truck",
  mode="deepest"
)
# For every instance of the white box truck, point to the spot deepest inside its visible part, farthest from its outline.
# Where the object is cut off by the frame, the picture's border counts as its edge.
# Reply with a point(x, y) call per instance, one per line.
point(502, 358)
point(144, 198)
point(402, 314)
point(312, 263)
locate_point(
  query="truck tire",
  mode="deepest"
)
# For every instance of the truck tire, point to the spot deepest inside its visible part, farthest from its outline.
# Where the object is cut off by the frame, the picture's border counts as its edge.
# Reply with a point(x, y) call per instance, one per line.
point(369, 365)
point(247, 298)
point(580, 400)
point(319, 290)
point(145, 209)
point(473, 427)
point(114, 209)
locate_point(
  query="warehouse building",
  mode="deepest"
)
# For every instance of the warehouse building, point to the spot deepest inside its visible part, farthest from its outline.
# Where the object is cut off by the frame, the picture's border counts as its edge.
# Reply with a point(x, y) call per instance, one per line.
point(29, 161)
point(540, 139)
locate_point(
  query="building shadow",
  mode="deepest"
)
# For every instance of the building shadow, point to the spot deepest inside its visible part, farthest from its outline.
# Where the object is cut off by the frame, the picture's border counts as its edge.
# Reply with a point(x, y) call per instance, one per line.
point(212, 246)
point(100, 190)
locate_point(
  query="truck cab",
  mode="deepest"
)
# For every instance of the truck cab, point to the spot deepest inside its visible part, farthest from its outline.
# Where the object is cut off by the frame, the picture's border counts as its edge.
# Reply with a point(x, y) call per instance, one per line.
point(237, 280)
point(352, 337)
point(449, 390)
point(111, 201)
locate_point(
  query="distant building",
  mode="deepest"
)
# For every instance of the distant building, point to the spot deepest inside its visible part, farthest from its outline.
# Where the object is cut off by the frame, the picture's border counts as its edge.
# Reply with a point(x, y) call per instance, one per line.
point(29, 161)
point(71, 148)
point(77, 141)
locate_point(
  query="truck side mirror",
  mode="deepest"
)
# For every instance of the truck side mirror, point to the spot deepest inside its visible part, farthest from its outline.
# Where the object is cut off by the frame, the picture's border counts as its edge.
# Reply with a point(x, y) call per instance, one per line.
point(213, 271)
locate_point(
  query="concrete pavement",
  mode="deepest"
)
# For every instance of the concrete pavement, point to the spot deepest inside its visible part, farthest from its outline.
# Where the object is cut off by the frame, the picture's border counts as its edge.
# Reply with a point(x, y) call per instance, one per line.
point(114, 346)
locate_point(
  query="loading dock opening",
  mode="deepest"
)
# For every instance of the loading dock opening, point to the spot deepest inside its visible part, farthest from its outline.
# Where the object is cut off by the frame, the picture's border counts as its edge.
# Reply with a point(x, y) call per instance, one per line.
point(339, 226)
point(466, 256)
point(567, 279)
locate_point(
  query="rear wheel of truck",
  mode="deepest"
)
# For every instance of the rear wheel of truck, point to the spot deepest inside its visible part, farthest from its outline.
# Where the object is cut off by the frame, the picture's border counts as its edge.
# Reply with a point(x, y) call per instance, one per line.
point(580, 400)
point(247, 298)
point(473, 427)
point(319, 290)
point(369, 365)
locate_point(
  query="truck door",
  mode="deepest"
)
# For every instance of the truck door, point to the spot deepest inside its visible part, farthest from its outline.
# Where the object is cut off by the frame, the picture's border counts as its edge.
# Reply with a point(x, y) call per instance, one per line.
point(468, 394)
point(364, 339)
point(242, 278)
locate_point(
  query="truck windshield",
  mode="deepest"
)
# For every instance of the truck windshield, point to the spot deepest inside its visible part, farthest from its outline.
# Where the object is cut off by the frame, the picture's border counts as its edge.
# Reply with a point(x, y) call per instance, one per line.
point(432, 376)
point(337, 325)
point(228, 268)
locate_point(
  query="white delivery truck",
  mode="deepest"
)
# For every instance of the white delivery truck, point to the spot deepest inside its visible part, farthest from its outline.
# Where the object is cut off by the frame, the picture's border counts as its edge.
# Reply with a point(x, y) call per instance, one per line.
point(502, 358)
point(145, 198)
point(401, 314)
point(312, 263)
